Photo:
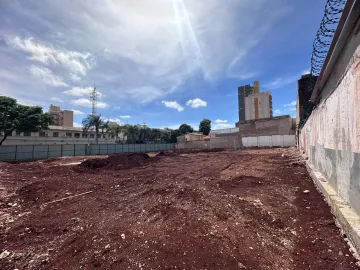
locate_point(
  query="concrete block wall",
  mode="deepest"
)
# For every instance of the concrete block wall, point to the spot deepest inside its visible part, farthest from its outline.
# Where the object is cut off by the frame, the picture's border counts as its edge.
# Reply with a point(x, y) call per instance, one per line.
point(331, 135)
point(216, 142)
point(282, 125)
point(269, 141)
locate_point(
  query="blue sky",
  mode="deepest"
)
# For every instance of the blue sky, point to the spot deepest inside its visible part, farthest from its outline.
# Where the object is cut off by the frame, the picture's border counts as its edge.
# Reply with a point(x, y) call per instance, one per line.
point(159, 62)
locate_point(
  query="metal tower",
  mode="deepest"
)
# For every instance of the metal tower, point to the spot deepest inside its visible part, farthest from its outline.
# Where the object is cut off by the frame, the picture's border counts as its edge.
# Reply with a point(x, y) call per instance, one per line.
point(93, 98)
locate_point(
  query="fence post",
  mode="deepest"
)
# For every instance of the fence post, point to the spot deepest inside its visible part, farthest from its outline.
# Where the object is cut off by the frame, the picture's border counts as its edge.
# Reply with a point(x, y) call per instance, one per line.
point(61, 151)
point(74, 149)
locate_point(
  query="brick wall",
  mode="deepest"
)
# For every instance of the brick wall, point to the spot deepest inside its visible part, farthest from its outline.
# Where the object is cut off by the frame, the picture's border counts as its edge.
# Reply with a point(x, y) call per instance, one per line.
point(281, 125)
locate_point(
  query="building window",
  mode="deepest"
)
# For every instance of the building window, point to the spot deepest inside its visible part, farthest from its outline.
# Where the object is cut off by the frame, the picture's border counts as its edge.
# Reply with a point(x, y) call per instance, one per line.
point(99, 135)
point(42, 134)
point(84, 135)
point(104, 136)
point(68, 135)
point(77, 135)
point(55, 134)
point(92, 136)
point(27, 133)
point(18, 133)
point(112, 136)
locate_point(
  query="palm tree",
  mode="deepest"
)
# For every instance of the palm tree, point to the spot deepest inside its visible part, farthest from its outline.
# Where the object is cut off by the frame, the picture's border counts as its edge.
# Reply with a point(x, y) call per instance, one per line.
point(114, 130)
point(92, 121)
point(104, 126)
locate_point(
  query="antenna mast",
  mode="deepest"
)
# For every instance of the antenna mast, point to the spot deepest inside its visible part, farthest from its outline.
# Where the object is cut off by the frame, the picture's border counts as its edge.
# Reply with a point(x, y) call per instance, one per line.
point(93, 98)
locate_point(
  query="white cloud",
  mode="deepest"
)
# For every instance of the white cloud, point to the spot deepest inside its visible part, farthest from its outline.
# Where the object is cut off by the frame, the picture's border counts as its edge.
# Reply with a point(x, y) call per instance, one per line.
point(284, 81)
point(77, 112)
point(193, 40)
point(293, 103)
point(74, 77)
point(81, 92)
point(281, 82)
point(142, 94)
point(116, 120)
point(291, 107)
point(47, 76)
point(76, 124)
point(277, 112)
point(125, 116)
point(307, 71)
point(56, 99)
point(173, 105)
point(116, 107)
point(219, 121)
point(87, 103)
point(75, 62)
point(196, 103)
point(222, 125)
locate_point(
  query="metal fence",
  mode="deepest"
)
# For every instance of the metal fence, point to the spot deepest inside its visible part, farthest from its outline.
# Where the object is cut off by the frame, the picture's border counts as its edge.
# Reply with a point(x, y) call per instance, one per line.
point(32, 152)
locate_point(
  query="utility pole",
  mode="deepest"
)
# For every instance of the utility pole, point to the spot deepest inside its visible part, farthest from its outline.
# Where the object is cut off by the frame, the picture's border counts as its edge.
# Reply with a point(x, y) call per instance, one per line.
point(93, 99)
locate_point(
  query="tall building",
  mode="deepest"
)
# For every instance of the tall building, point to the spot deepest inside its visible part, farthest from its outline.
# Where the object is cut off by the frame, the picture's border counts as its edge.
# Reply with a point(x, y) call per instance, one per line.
point(305, 88)
point(254, 104)
point(243, 92)
point(64, 118)
point(258, 106)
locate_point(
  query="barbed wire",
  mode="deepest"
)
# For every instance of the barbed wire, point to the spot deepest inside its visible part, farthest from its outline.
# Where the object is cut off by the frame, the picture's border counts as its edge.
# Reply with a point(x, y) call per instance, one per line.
point(322, 42)
point(325, 34)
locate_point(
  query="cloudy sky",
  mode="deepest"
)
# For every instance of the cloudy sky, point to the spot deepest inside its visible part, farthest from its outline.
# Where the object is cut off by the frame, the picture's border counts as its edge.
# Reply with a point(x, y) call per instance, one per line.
point(159, 62)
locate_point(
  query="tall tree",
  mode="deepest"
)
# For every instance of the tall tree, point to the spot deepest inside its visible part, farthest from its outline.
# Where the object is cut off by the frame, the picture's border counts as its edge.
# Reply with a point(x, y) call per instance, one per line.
point(185, 128)
point(93, 121)
point(114, 130)
point(205, 126)
point(104, 126)
point(22, 118)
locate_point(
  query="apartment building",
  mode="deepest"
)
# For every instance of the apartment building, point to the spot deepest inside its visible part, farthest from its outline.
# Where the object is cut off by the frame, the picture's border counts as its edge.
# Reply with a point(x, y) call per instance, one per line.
point(64, 118)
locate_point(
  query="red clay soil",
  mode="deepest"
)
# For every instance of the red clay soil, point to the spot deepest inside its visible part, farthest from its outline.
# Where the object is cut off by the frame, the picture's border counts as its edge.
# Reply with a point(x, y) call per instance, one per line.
point(218, 210)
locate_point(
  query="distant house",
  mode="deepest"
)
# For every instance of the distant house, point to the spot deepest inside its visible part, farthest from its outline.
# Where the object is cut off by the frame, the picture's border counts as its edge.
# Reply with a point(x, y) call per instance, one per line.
point(188, 137)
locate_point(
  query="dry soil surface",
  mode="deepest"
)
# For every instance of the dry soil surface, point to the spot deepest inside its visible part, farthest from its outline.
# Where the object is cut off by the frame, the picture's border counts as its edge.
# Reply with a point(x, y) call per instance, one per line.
point(246, 209)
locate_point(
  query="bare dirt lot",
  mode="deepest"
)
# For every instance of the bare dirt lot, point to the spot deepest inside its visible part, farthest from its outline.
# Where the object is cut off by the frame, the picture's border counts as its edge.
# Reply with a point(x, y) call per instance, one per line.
point(246, 209)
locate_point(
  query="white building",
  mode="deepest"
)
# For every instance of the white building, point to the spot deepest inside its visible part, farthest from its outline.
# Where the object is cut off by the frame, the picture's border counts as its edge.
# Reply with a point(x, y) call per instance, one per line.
point(258, 106)
point(60, 135)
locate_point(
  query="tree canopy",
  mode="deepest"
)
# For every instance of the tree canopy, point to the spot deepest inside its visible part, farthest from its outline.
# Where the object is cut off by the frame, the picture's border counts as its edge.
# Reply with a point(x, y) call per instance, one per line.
point(14, 116)
point(205, 126)
point(93, 121)
point(185, 128)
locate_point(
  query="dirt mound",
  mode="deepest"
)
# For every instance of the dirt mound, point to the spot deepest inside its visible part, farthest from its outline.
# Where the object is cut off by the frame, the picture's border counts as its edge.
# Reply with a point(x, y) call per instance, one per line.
point(172, 153)
point(117, 162)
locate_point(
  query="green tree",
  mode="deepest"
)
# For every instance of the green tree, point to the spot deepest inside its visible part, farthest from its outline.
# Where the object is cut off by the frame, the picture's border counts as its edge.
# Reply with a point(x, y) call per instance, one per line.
point(104, 126)
point(114, 130)
point(185, 128)
point(165, 136)
point(173, 136)
point(205, 126)
point(93, 121)
point(22, 118)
